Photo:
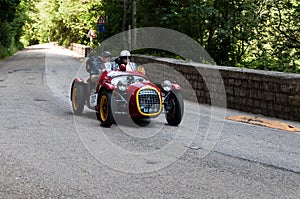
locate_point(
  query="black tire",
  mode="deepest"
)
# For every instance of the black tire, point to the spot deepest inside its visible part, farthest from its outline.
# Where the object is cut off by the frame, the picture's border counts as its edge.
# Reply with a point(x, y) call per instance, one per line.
point(104, 102)
point(78, 98)
point(98, 115)
point(142, 122)
point(175, 109)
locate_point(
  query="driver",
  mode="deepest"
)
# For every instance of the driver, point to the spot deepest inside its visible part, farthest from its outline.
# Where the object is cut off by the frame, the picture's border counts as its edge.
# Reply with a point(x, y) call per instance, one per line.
point(124, 61)
point(98, 69)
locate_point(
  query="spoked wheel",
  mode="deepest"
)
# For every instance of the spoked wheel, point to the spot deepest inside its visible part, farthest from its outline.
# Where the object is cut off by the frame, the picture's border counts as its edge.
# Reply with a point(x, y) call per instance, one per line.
point(105, 114)
point(78, 99)
point(174, 108)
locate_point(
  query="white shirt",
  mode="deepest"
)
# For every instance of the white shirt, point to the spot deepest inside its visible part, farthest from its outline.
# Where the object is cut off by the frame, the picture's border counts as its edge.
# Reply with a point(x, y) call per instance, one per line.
point(131, 66)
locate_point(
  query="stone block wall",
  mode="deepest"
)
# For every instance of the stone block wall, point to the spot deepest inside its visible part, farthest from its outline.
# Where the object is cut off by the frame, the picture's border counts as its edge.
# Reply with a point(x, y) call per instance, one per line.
point(81, 49)
point(268, 93)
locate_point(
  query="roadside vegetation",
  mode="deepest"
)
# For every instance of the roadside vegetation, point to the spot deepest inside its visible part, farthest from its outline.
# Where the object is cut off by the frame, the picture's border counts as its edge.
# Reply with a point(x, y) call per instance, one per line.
point(259, 34)
point(12, 19)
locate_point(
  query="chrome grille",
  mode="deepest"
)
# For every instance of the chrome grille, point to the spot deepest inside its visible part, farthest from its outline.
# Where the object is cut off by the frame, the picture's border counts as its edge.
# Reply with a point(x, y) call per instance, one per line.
point(149, 101)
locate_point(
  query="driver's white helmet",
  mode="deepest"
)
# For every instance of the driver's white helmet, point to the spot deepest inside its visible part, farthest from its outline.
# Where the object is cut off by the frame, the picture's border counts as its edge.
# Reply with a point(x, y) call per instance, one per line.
point(124, 53)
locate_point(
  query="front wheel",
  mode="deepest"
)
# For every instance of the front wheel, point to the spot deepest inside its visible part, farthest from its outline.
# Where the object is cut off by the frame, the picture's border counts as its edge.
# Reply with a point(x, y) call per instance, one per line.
point(104, 102)
point(174, 107)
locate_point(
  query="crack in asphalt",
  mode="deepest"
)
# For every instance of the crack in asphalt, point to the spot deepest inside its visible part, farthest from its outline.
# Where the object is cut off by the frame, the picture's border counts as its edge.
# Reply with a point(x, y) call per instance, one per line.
point(19, 70)
point(248, 160)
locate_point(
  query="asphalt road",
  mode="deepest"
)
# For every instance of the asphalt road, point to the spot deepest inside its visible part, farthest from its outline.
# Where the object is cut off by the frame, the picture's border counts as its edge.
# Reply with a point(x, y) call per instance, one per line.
point(47, 152)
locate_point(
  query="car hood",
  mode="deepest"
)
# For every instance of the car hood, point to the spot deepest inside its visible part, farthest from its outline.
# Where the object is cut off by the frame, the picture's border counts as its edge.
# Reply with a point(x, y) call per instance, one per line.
point(139, 85)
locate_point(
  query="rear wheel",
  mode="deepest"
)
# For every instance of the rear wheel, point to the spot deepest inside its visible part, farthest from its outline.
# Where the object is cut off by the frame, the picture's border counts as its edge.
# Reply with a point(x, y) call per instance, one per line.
point(78, 99)
point(175, 107)
point(105, 114)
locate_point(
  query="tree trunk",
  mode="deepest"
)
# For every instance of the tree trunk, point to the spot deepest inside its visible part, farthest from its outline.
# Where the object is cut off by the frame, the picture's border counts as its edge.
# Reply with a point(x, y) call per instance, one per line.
point(134, 24)
point(133, 14)
point(124, 15)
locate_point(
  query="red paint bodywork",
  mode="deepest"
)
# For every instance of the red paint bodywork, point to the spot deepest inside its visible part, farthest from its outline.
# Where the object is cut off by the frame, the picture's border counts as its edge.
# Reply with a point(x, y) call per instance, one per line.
point(105, 81)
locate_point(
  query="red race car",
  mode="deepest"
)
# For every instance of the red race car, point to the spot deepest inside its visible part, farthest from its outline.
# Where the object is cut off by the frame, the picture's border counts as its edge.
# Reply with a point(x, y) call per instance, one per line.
point(128, 93)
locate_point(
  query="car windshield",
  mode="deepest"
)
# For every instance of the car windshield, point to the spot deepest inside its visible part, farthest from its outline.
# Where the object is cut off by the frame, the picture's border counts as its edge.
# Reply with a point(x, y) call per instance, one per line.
point(128, 79)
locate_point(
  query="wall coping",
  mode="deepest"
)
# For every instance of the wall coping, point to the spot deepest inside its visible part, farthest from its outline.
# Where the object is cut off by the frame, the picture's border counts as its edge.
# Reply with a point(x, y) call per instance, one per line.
point(218, 67)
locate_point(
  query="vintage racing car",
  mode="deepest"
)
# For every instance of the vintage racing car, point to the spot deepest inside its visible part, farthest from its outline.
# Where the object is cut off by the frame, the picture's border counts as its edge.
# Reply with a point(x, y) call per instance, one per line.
point(128, 93)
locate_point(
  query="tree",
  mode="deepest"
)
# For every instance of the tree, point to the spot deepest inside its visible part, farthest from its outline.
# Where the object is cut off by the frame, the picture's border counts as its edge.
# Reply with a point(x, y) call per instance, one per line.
point(124, 18)
point(246, 33)
point(67, 21)
point(11, 21)
point(276, 46)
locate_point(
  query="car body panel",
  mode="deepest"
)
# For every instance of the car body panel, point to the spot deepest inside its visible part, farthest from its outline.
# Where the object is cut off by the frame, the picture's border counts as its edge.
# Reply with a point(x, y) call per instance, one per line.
point(132, 94)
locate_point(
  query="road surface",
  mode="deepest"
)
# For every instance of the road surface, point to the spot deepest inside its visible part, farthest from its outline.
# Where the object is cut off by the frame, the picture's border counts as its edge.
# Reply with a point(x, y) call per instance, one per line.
point(47, 152)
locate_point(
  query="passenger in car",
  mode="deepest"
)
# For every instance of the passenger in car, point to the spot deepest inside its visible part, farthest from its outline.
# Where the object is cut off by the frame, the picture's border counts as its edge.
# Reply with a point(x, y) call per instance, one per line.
point(124, 63)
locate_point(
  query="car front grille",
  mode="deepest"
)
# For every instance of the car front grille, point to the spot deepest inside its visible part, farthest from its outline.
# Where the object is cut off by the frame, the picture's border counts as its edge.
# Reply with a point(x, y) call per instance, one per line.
point(149, 101)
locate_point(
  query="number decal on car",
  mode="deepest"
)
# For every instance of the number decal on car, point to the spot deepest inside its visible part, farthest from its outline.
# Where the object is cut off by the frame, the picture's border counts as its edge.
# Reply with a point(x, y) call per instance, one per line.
point(93, 100)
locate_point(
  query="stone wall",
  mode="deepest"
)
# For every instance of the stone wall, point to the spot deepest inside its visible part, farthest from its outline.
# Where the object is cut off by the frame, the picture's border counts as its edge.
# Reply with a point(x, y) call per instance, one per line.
point(268, 93)
point(81, 49)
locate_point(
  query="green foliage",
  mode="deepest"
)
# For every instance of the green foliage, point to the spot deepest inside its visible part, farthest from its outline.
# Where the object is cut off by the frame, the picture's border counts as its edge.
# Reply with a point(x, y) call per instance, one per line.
point(62, 21)
point(246, 33)
point(11, 21)
point(277, 45)
point(258, 34)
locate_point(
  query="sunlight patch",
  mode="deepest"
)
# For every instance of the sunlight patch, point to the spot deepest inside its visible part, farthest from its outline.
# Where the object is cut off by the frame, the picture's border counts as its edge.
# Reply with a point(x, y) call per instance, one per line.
point(264, 122)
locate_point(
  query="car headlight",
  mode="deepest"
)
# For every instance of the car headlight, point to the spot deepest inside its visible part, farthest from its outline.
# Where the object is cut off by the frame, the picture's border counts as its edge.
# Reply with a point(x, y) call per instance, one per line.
point(122, 86)
point(166, 85)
